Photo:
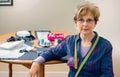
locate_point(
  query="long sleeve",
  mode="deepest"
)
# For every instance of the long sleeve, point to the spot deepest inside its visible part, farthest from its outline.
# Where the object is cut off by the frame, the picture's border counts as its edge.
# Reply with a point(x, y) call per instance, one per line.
point(106, 63)
point(39, 60)
point(56, 52)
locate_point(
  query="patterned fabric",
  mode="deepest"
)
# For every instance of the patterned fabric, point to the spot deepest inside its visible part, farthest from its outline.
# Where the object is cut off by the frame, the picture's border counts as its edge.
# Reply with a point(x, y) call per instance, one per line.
point(99, 63)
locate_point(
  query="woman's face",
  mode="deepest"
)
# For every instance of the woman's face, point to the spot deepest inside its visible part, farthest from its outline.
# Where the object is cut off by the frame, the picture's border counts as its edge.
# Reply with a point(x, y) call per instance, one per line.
point(86, 24)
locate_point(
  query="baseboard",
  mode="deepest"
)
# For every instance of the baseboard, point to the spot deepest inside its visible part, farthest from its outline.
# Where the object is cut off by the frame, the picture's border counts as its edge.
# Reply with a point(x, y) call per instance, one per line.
point(25, 74)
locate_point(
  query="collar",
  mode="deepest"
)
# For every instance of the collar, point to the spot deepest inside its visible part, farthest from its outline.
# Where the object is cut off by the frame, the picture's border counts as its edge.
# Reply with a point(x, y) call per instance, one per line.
point(78, 37)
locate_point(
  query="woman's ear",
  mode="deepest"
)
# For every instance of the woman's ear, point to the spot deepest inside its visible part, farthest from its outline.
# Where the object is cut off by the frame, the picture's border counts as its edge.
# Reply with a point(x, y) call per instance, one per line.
point(75, 21)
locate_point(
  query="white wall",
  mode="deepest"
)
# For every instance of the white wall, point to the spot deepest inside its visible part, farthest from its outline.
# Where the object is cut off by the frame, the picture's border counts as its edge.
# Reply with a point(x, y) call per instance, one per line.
point(37, 14)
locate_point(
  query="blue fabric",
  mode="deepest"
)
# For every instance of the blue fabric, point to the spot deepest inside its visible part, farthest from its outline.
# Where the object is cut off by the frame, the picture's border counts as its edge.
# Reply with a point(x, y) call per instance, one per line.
point(99, 63)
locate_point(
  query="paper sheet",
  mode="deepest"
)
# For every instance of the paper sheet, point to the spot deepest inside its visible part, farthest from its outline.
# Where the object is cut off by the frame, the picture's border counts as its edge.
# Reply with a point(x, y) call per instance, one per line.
point(7, 52)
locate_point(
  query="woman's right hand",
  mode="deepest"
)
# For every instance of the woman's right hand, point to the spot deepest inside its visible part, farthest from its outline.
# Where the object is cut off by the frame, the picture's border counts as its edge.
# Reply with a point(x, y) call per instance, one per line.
point(34, 70)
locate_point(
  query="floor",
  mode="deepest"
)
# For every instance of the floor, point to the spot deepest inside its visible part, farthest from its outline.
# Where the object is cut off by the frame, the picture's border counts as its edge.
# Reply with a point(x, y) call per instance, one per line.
point(25, 74)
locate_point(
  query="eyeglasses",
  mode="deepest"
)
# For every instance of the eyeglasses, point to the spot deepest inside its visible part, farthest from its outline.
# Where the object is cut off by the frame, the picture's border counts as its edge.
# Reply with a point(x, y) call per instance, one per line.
point(89, 20)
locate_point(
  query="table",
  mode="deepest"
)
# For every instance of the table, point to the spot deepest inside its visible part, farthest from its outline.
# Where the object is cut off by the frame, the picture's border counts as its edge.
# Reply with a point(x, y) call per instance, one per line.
point(28, 63)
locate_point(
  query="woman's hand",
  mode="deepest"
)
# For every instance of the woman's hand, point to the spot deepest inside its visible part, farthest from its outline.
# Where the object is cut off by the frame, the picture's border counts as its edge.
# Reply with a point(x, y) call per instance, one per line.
point(34, 70)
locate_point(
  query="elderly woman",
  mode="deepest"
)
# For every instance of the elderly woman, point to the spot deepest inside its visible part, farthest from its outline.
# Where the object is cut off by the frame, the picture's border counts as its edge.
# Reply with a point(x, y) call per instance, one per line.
point(89, 55)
